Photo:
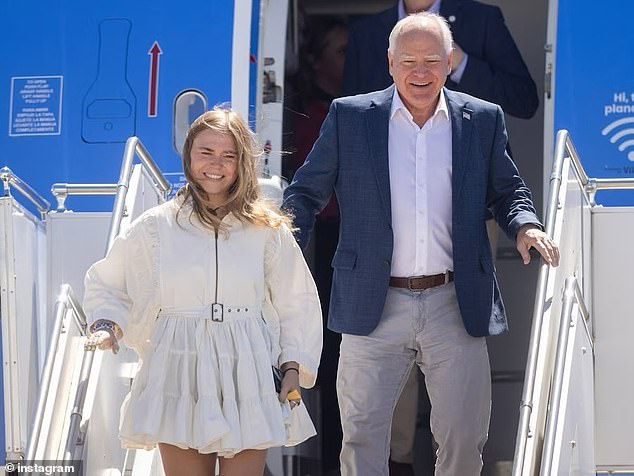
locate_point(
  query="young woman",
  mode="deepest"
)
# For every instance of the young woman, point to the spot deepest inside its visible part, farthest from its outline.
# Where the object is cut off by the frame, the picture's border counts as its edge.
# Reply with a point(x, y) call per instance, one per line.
point(211, 290)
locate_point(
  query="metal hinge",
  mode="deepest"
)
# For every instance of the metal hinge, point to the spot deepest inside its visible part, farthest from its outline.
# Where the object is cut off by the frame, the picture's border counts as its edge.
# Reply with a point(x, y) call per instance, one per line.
point(548, 75)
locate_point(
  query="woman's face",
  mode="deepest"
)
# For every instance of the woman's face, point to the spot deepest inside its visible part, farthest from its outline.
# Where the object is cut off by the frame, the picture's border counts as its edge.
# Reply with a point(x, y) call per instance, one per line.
point(214, 164)
point(329, 66)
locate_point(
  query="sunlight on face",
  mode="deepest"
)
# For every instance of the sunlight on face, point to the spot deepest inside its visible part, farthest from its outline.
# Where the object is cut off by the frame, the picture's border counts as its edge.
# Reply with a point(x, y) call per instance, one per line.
point(214, 164)
point(419, 66)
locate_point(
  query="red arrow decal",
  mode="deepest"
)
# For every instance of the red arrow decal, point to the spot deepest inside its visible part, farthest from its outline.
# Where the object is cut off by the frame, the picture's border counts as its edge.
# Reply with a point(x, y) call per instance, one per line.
point(154, 53)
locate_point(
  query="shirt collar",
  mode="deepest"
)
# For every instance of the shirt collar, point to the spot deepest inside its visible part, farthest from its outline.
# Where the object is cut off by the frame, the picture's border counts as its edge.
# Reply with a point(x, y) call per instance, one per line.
point(435, 8)
point(398, 105)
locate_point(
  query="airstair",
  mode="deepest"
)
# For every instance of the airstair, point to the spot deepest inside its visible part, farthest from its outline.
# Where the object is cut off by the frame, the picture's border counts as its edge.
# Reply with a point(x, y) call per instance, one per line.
point(576, 414)
point(68, 409)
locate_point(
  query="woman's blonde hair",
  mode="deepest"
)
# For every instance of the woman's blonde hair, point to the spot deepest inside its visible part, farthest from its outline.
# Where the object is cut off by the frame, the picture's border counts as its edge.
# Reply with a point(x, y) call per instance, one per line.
point(243, 199)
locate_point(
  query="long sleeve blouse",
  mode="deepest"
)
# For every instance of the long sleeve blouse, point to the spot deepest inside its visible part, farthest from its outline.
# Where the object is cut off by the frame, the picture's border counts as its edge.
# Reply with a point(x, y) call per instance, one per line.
point(167, 261)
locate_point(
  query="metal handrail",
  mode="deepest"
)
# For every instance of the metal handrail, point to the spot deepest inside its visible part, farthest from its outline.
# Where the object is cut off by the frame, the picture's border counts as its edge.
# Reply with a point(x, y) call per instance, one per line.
point(61, 191)
point(526, 405)
point(65, 301)
point(572, 294)
point(133, 146)
point(9, 179)
point(564, 148)
point(597, 184)
point(591, 185)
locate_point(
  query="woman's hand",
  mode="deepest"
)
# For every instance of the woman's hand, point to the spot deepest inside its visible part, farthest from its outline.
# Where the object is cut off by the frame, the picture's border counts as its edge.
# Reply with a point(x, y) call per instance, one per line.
point(102, 339)
point(290, 384)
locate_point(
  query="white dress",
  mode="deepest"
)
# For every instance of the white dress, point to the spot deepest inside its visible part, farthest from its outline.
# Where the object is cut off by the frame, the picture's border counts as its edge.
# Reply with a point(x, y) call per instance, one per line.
point(208, 316)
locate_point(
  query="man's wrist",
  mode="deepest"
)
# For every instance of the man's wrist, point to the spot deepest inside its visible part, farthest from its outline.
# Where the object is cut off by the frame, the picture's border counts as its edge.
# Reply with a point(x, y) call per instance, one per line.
point(530, 226)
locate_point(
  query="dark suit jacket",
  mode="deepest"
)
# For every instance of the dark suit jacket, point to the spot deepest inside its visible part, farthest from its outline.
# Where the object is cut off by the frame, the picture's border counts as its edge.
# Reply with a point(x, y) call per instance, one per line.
point(495, 70)
point(350, 157)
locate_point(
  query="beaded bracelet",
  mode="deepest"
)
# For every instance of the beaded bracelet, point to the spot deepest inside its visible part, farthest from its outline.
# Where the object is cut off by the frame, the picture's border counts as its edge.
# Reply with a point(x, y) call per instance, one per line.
point(104, 324)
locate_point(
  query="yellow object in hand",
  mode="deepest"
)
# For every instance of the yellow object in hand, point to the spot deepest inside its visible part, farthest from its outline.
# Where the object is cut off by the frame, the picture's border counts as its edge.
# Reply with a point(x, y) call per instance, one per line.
point(293, 395)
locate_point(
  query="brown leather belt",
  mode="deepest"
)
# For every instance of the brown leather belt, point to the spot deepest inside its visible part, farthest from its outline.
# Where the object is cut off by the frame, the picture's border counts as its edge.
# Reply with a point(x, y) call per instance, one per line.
point(420, 283)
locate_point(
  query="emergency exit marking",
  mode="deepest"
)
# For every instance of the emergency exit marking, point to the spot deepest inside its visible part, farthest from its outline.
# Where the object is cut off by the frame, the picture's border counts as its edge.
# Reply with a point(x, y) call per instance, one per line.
point(36, 106)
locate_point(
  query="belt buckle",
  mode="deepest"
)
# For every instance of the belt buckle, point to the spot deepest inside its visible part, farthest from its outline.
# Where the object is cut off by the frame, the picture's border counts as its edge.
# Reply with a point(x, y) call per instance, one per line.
point(447, 280)
point(410, 280)
point(217, 312)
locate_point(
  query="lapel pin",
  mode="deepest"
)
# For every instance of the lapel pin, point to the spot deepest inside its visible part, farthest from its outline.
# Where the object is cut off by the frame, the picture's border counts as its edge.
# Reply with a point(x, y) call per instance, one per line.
point(466, 115)
point(452, 18)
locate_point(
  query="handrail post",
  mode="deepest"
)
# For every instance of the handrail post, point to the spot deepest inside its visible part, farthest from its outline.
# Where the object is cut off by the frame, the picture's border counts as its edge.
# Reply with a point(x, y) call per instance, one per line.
point(61, 191)
point(5, 177)
point(122, 189)
point(9, 179)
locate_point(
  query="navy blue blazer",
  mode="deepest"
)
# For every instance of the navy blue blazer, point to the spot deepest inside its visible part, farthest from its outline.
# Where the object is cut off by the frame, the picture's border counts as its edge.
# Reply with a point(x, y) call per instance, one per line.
point(495, 71)
point(350, 157)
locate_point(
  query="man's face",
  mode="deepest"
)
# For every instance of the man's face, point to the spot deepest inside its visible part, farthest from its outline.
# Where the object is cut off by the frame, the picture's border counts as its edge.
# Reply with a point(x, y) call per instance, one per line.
point(419, 66)
point(416, 6)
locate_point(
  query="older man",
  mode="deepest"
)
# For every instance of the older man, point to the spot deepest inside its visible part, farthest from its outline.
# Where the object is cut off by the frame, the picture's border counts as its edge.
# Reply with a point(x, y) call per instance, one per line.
point(415, 168)
point(487, 64)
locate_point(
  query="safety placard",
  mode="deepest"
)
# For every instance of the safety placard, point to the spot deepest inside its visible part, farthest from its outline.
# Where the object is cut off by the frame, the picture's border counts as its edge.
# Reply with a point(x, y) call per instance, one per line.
point(36, 106)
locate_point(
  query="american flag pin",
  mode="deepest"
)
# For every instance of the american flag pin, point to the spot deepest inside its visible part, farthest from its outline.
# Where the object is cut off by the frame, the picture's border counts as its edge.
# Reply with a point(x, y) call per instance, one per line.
point(466, 115)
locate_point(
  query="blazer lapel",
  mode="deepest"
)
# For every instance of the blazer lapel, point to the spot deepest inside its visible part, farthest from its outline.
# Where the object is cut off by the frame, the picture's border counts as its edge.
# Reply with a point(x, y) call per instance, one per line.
point(377, 123)
point(461, 127)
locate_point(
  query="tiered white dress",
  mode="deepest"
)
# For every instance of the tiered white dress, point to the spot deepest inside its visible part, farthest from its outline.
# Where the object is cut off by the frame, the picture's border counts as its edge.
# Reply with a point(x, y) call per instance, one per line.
point(208, 316)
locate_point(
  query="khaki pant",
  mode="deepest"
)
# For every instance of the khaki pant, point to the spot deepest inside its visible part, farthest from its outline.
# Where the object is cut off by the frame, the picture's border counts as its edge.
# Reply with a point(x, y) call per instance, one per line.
point(404, 421)
point(422, 328)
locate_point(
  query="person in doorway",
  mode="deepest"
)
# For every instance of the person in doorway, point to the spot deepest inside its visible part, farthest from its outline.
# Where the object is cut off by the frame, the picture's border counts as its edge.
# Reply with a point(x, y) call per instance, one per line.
point(211, 290)
point(415, 167)
point(318, 83)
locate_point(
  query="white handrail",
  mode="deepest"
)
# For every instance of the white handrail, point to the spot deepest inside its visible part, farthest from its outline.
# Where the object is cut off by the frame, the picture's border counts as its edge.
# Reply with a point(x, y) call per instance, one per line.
point(61, 191)
point(65, 301)
point(526, 405)
point(9, 179)
point(133, 146)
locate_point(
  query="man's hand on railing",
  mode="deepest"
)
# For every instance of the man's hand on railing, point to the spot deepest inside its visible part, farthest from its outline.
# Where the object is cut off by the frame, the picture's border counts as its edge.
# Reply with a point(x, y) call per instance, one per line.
point(530, 236)
point(104, 335)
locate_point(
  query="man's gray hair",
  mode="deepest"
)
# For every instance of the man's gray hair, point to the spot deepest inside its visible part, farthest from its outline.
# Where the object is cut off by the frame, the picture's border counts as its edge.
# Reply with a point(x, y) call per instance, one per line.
point(422, 21)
